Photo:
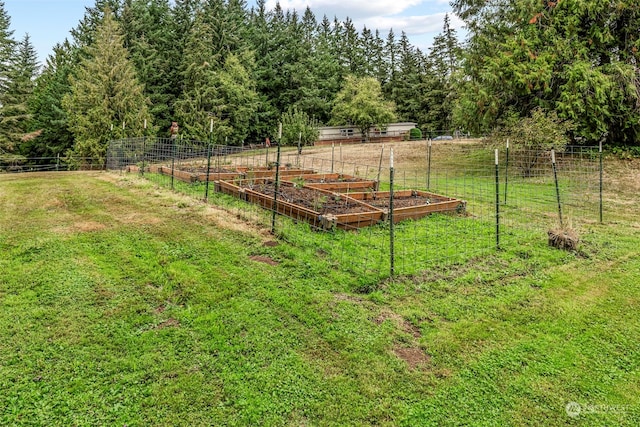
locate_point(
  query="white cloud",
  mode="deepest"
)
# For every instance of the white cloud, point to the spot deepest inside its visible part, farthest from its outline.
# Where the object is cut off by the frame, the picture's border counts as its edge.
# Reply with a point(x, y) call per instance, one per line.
point(412, 25)
point(353, 8)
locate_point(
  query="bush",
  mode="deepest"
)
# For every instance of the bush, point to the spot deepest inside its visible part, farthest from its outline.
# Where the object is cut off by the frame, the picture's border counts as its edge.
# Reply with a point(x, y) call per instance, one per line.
point(532, 137)
point(415, 133)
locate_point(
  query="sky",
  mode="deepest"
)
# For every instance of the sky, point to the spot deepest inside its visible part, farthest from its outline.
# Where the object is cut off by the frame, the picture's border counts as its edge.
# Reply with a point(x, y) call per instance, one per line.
point(49, 21)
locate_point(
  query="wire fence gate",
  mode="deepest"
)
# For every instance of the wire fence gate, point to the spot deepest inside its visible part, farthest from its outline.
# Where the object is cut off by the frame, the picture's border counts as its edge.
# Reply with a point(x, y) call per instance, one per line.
point(425, 207)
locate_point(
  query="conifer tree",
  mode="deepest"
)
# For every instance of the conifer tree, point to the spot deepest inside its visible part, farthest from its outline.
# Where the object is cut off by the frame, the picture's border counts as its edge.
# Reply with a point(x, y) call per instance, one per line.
point(7, 45)
point(14, 101)
point(49, 118)
point(105, 93)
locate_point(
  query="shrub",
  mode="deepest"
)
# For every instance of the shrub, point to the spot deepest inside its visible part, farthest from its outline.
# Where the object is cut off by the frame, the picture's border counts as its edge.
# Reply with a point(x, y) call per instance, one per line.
point(415, 133)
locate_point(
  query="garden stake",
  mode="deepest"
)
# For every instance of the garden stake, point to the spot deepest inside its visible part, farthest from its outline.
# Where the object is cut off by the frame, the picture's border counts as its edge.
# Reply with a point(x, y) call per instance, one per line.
point(497, 203)
point(391, 226)
point(506, 174)
point(555, 178)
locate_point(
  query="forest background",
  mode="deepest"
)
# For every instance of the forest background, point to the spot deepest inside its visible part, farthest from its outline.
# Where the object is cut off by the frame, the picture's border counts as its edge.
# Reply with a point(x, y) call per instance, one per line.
point(131, 67)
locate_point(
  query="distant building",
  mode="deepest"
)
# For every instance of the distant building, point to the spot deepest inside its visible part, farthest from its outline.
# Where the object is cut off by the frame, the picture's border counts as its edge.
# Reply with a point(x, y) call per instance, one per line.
point(352, 135)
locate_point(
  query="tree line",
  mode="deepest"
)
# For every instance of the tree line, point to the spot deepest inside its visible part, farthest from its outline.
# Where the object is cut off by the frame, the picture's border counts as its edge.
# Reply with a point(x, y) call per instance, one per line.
point(131, 67)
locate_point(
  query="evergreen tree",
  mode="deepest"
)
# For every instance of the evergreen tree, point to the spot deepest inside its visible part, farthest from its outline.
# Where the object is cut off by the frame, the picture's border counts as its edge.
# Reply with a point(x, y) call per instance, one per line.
point(405, 91)
point(149, 37)
point(439, 93)
point(578, 58)
point(198, 100)
point(49, 117)
point(237, 99)
point(14, 101)
point(7, 45)
point(105, 93)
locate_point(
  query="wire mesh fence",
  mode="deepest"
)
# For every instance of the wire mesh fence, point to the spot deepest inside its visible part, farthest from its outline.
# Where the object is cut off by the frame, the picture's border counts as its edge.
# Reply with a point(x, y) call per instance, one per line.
point(48, 164)
point(440, 204)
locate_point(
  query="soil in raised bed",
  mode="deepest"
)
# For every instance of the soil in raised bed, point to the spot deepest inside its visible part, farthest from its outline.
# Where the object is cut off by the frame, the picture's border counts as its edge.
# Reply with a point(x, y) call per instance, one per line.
point(405, 201)
point(323, 203)
point(323, 180)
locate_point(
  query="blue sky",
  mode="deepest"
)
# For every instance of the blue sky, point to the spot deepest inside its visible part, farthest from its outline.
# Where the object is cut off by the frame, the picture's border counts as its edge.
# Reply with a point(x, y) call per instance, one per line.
point(49, 21)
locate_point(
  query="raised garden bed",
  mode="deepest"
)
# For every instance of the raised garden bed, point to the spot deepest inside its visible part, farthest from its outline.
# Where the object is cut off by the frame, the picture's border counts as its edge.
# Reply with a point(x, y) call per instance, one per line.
point(321, 208)
point(333, 182)
point(410, 204)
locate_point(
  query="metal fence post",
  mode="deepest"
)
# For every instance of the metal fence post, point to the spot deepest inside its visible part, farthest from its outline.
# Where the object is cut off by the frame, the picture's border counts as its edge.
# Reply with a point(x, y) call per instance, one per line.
point(497, 201)
point(275, 192)
point(429, 165)
point(206, 190)
point(555, 178)
point(173, 161)
point(392, 257)
point(601, 180)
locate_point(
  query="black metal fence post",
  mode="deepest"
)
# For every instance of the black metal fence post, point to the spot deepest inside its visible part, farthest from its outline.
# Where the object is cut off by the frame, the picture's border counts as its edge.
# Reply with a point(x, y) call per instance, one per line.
point(392, 257)
point(429, 165)
point(555, 178)
point(276, 187)
point(206, 189)
point(601, 180)
point(497, 201)
point(173, 161)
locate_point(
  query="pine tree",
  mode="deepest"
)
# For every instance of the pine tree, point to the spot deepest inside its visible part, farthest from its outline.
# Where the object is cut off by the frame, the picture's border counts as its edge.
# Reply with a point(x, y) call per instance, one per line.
point(439, 87)
point(49, 118)
point(199, 66)
point(149, 38)
point(105, 93)
point(14, 102)
point(405, 92)
point(7, 45)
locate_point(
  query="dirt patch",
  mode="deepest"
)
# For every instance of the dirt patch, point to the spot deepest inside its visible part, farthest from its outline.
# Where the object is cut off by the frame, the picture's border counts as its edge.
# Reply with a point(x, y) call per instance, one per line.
point(264, 260)
point(80, 227)
point(347, 297)
point(270, 244)
point(169, 323)
point(400, 322)
point(414, 357)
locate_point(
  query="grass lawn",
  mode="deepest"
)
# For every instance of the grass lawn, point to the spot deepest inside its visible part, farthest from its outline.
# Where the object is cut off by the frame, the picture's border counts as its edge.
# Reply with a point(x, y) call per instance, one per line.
point(122, 303)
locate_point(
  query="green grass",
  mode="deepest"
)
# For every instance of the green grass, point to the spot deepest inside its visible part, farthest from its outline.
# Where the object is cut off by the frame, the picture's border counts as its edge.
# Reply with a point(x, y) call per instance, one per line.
point(124, 303)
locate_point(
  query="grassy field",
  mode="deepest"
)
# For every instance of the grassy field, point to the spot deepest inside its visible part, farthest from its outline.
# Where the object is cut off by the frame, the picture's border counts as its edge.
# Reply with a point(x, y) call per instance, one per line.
point(122, 303)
